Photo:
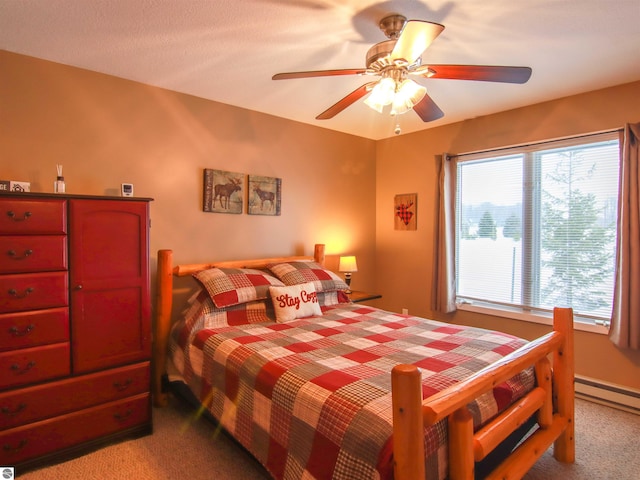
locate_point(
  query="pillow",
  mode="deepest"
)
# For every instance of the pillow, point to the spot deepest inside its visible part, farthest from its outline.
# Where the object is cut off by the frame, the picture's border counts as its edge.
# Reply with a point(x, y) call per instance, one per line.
point(232, 286)
point(296, 301)
point(204, 314)
point(294, 273)
point(257, 311)
point(328, 299)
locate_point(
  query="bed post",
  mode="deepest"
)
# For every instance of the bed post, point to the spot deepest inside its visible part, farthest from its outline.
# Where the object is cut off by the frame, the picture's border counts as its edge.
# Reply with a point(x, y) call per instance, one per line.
point(318, 253)
point(563, 377)
point(408, 430)
point(164, 299)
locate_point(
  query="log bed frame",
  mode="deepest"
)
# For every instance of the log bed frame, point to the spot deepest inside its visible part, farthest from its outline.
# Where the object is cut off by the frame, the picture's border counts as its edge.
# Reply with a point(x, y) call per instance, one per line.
point(551, 401)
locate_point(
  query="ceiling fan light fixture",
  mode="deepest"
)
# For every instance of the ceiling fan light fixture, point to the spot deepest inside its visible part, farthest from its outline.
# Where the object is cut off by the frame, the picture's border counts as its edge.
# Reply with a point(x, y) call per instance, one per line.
point(382, 94)
point(408, 94)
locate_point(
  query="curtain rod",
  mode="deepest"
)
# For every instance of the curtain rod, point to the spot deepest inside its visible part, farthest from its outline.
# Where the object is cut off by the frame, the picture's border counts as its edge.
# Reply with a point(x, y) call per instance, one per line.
point(531, 144)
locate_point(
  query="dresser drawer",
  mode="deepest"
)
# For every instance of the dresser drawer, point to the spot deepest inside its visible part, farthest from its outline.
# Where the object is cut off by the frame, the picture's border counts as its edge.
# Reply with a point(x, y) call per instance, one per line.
point(38, 327)
point(31, 291)
point(33, 253)
point(30, 365)
point(26, 405)
point(32, 216)
point(36, 439)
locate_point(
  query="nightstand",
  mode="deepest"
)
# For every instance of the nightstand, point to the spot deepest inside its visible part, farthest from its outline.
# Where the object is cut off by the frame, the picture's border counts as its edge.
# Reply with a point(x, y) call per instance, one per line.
point(357, 296)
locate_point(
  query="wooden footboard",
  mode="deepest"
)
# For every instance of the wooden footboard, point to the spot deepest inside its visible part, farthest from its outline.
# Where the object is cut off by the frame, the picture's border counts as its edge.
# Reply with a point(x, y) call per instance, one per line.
point(552, 399)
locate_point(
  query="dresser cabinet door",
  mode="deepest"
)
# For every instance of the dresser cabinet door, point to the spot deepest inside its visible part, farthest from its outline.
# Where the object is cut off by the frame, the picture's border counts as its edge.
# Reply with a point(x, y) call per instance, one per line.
point(109, 283)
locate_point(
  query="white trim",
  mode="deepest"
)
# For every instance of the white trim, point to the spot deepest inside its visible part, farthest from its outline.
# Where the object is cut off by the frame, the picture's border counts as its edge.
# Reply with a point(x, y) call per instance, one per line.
point(585, 325)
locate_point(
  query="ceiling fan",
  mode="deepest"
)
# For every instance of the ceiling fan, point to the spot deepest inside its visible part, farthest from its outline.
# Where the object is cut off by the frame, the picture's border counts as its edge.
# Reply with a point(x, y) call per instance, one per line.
point(398, 58)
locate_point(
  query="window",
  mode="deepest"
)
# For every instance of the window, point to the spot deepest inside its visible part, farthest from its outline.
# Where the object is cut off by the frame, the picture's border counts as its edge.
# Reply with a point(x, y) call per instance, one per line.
point(536, 227)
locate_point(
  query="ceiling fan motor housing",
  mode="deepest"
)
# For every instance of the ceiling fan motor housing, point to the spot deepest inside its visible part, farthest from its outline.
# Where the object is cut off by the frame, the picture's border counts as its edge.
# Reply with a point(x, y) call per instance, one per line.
point(378, 51)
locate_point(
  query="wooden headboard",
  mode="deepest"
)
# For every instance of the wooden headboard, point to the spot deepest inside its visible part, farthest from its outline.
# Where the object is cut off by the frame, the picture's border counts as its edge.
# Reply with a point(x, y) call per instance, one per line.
point(164, 301)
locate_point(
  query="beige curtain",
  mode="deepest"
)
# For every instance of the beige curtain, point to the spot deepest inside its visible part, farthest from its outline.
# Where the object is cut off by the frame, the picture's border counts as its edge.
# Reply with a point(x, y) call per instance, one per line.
point(625, 319)
point(444, 284)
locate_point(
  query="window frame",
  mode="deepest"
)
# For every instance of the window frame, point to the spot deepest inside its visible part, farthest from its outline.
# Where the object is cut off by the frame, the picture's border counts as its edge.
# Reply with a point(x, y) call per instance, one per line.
point(531, 170)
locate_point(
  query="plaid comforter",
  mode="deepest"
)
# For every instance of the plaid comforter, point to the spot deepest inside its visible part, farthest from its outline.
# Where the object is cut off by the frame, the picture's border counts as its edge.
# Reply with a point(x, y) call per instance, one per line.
point(311, 398)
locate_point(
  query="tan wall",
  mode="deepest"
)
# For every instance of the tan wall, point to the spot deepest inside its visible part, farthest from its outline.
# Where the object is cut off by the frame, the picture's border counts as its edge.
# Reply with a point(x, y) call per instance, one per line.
point(405, 259)
point(105, 131)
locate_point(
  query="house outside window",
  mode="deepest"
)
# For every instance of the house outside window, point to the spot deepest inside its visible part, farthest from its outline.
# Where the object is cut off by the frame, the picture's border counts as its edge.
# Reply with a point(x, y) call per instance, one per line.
point(536, 227)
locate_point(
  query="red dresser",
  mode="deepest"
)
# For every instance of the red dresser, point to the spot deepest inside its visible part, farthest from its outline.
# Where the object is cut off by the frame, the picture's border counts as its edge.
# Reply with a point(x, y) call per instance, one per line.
point(75, 325)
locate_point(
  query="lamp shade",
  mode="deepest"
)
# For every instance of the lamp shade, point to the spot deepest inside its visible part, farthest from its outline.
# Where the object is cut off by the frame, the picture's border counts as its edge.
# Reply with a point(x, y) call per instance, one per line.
point(348, 264)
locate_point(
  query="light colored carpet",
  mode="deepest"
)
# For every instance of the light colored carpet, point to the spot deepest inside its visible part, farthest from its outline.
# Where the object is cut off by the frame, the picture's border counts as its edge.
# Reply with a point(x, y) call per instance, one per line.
point(606, 447)
point(183, 447)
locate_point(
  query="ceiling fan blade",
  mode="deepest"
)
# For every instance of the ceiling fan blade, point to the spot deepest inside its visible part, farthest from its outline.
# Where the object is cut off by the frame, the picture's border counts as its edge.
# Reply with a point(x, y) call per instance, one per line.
point(336, 108)
point(415, 38)
point(318, 73)
point(427, 109)
point(485, 73)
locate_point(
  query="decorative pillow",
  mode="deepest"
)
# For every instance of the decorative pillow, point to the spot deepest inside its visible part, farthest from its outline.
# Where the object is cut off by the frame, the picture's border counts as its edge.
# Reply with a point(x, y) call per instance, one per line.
point(327, 299)
point(232, 286)
point(295, 273)
point(296, 301)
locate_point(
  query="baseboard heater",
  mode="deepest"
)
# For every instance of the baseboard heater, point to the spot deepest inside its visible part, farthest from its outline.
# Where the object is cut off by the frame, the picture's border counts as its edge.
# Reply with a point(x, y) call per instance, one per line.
point(609, 394)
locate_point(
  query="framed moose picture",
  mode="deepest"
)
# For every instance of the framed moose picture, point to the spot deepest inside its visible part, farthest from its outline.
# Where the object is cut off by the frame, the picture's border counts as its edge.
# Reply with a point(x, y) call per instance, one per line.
point(264, 196)
point(223, 191)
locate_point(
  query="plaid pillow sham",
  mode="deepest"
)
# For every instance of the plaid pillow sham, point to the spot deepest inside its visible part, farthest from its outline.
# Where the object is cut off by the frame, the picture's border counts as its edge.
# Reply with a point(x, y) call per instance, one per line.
point(233, 286)
point(295, 273)
point(328, 299)
point(204, 314)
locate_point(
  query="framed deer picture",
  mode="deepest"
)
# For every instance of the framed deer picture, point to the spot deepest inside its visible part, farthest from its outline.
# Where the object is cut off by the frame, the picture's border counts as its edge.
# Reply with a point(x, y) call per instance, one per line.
point(223, 191)
point(264, 195)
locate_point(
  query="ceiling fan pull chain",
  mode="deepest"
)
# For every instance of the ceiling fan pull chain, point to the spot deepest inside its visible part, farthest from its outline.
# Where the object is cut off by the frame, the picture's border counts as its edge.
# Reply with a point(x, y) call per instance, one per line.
point(396, 119)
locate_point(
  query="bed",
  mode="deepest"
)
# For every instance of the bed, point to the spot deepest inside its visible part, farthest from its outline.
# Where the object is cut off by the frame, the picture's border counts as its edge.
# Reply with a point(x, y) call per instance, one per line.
point(314, 386)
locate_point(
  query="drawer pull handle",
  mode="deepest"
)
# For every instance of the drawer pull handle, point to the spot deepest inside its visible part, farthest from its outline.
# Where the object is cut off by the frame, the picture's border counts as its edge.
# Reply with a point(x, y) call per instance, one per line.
point(14, 293)
point(15, 256)
point(121, 417)
point(9, 449)
point(122, 386)
point(13, 217)
point(12, 413)
point(19, 371)
point(26, 331)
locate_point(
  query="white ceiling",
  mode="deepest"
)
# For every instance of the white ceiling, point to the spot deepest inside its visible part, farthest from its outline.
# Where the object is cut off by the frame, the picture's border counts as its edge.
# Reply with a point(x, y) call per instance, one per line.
point(227, 50)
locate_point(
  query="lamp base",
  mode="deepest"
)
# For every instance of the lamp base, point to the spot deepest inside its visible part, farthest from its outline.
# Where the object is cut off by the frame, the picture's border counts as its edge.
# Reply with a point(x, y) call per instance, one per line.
point(347, 280)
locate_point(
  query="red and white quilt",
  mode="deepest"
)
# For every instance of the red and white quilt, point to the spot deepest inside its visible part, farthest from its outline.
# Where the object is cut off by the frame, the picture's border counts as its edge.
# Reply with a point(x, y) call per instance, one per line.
point(311, 398)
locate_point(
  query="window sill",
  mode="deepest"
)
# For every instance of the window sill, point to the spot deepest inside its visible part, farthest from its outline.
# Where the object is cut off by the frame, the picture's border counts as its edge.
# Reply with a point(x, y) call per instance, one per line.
point(539, 317)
